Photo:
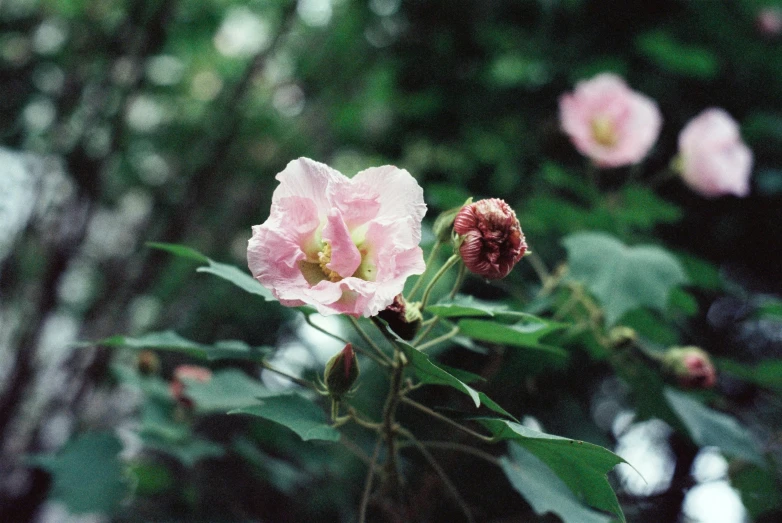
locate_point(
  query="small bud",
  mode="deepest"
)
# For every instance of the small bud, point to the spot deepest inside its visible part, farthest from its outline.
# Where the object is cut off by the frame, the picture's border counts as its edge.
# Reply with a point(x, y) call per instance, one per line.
point(443, 225)
point(183, 374)
point(622, 337)
point(491, 241)
point(403, 317)
point(769, 21)
point(341, 372)
point(691, 366)
point(148, 363)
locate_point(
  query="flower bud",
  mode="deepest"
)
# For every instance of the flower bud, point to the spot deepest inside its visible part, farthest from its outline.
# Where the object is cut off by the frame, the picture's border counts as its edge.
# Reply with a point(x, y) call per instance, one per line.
point(443, 225)
point(341, 372)
point(490, 238)
point(691, 366)
point(148, 363)
point(769, 21)
point(403, 317)
point(622, 337)
point(183, 374)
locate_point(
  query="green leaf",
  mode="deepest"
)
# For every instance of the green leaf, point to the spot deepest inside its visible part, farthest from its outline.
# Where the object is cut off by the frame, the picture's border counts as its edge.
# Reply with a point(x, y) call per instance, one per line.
point(526, 333)
point(670, 55)
point(581, 466)
point(623, 278)
point(297, 413)
point(188, 451)
point(700, 273)
point(642, 209)
point(544, 491)
point(222, 270)
point(171, 341)
point(765, 374)
point(429, 373)
point(228, 389)
point(462, 306)
point(709, 427)
point(87, 475)
point(758, 489)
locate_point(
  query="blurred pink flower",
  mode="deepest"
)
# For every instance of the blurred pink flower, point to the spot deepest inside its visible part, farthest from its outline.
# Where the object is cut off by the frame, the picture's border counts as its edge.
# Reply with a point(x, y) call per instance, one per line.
point(713, 160)
point(609, 122)
point(769, 21)
point(344, 246)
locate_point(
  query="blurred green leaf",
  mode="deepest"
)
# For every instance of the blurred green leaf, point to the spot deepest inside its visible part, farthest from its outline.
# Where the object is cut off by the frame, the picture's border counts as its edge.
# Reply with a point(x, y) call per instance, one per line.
point(173, 342)
point(188, 451)
point(228, 389)
point(672, 56)
point(526, 334)
point(511, 70)
point(222, 270)
point(151, 478)
point(758, 489)
point(544, 491)
point(87, 475)
point(299, 414)
point(700, 272)
point(708, 427)
point(463, 305)
point(622, 278)
point(641, 208)
point(581, 466)
point(765, 374)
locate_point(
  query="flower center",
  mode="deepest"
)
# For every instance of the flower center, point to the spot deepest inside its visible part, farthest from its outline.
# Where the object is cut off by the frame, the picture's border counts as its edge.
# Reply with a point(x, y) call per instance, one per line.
point(603, 131)
point(324, 258)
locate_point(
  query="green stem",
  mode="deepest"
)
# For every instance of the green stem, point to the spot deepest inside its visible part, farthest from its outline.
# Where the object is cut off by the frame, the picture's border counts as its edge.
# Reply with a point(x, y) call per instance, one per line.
point(364, 336)
point(453, 260)
point(447, 336)
point(304, 383)
point(362, 510)
point(429, 262)
point(440, 473)
point(458, 282)
point(392, 479)
point(458, 447)
point(437, 415)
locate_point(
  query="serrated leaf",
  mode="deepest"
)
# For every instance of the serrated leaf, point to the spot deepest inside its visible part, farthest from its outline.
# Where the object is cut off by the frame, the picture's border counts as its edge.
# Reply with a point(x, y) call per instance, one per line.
point(87, 475)
point(299, 414)
point(581, 466)
point(225, 271)
point(428, 372)
point(623, 278)
point(709, 427)
point(228, 389)
point(526, 333)
point(543, 490)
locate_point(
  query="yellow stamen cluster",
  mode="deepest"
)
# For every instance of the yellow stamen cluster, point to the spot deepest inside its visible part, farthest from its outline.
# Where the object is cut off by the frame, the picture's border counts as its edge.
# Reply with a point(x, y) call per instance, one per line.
point(324, 258)
point(604, 132)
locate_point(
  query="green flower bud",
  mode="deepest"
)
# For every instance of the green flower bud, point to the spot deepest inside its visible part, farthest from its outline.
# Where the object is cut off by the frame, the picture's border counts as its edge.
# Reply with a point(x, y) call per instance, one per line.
point(622, 337)
point(341, 372)
point(690, 366)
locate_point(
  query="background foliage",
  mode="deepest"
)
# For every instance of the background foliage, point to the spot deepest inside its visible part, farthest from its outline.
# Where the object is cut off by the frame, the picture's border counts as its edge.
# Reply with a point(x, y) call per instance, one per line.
point(135, 121)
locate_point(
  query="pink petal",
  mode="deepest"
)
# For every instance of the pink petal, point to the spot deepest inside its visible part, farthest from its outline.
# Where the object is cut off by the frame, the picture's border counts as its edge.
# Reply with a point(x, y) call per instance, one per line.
point(345, 257)
point(307, 179)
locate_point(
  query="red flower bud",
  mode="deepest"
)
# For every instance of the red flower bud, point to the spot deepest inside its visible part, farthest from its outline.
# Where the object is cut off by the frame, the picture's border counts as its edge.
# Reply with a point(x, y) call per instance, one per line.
point(491, 238)
point(402, 317)
point(691, 366)
point(341, 372)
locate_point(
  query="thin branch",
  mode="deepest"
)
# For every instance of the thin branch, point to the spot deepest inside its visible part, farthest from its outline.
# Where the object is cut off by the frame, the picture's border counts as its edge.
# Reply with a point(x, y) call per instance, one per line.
point(447, 336)
point(428, 291)
point(441, 473)
point(458, 447)
point(429, 261)
point(362, 510)
point(304, 383)
point(437, 415)
point(361, 332)
point(382, 363)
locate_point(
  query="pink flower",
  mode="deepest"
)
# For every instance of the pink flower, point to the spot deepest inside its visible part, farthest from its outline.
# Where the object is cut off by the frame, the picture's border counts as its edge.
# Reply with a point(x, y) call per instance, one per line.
point(769, 21)
point(609, 122)
point(713, 160)
point(344, 246)
point(492, 241)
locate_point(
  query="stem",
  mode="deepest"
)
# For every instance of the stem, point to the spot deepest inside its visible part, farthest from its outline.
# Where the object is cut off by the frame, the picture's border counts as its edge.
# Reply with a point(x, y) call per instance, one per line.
point(362, 510)
point(429, 261)
point(304, 383)
point(427, 410)
point(539, 267)
point(441, 473)
point(458, 282)
point(364, 336)
point(389, 424)
point(458, 447)
point(447, 336)
point(382, 362)
point(322, 330)
point(428, 291)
